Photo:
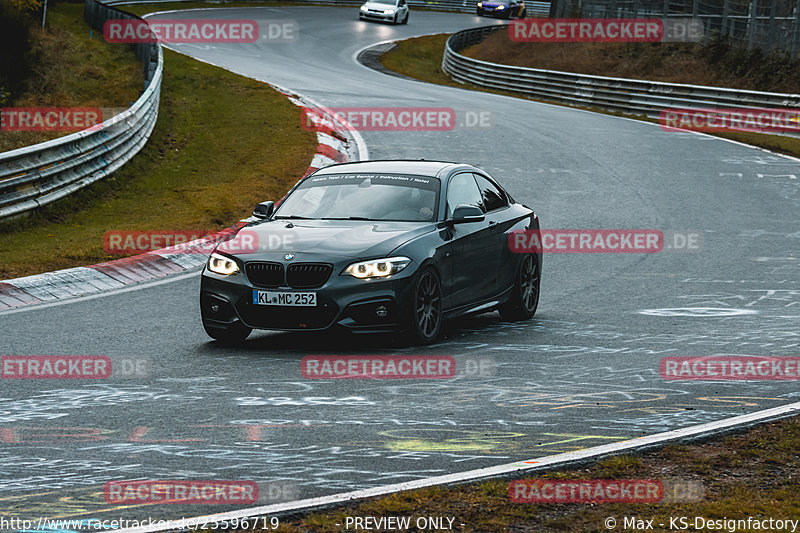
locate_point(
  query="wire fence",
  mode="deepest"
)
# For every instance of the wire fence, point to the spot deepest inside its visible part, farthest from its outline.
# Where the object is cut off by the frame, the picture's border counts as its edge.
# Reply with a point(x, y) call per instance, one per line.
point(766, 24)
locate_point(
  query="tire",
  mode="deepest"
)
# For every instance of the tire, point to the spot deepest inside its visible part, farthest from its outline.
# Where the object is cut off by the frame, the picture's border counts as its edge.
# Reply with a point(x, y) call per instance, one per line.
point(478, 12)
point(234, 334)
point(523, 13)
point(405, 19)
point(426, 308)
point(394, 21)
point(507, 14)
point(525, 295)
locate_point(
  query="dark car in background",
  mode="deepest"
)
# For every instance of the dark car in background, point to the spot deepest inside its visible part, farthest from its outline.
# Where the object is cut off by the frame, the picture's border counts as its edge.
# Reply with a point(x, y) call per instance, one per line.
point(374, 246)
point(502, 9)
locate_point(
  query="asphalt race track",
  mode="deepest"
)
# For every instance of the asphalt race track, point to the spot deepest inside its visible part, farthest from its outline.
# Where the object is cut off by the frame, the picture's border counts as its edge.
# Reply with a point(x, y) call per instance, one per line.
point(584, 372)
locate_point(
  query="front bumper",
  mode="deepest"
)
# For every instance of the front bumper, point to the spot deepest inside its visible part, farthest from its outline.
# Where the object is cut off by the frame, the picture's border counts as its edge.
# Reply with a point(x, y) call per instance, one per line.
point(379, 305)
point(375, 15)
point(492, 12)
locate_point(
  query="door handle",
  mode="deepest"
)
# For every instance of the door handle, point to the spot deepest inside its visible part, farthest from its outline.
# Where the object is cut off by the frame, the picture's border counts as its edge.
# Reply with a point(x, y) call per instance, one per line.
point(493, 225)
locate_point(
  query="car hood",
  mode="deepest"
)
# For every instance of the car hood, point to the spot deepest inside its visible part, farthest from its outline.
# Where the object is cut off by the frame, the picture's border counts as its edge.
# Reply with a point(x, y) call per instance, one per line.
point(380, 7)
point(494, 4)
point(330, 239)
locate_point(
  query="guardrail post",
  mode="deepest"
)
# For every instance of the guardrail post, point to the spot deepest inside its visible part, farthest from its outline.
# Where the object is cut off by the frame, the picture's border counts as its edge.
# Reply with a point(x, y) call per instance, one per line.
point(752, 25)
point(796, 31)
point(724, 28)
point(772, 39)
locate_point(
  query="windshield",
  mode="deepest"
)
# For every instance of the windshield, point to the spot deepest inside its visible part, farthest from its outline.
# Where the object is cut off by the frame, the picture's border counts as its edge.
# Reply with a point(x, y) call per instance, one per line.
point(363, 197)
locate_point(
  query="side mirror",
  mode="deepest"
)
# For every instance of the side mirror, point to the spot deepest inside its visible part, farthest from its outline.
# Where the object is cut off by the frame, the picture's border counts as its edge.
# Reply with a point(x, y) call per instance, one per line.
point(467, 213)
point(264, 209)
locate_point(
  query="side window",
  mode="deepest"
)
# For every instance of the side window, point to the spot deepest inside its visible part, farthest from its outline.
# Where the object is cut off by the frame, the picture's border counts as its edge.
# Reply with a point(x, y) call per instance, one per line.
point(493, 198)
point(462, 190)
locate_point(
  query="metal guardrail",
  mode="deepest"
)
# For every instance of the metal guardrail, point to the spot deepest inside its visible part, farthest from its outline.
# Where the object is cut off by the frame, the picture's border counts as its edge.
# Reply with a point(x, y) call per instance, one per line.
point(464, 6)
point(636, 97)
point(38, 175)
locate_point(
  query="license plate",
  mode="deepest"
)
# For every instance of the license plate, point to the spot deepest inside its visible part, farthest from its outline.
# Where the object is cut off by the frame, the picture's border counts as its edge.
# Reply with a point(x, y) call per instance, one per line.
point(292, 299)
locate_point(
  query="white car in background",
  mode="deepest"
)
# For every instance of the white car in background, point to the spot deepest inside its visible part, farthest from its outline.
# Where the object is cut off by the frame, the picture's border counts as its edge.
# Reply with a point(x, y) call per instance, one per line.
point(394, 11)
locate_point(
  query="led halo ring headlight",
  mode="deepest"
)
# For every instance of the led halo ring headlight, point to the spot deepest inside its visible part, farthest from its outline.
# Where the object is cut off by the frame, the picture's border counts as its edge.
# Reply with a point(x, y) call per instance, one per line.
point(377, 268)
point(220, 264)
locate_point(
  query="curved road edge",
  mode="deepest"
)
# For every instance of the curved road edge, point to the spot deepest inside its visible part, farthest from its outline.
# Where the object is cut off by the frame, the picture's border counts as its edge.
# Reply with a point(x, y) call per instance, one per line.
point(509, 470)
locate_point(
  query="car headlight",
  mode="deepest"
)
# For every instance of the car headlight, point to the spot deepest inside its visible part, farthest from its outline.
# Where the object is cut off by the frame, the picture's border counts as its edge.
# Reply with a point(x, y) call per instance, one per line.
point(364, 8)
point(377, 268)
point(480, 4)
point(388, 12)
point(222, 265)
point(501, 7)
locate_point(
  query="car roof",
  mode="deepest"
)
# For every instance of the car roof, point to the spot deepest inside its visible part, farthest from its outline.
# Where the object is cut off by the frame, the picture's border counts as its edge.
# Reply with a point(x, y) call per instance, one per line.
point(394, 166)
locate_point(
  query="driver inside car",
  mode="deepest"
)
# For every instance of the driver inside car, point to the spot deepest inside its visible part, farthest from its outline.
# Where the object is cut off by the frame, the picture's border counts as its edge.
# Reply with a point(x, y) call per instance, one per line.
point(412, 206)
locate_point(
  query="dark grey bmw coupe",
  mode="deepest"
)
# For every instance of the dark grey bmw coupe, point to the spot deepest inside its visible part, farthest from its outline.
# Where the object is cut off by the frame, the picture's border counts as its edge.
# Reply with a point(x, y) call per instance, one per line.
point(374, 246)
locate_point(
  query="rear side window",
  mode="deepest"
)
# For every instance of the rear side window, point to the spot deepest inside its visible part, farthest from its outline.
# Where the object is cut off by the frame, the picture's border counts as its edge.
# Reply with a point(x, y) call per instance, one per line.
point(492, 197)
point(462, 190)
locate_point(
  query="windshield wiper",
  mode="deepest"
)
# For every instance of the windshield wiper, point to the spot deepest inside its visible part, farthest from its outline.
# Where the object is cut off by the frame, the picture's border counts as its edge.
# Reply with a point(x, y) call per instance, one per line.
point(296, 217)
point(348, 218)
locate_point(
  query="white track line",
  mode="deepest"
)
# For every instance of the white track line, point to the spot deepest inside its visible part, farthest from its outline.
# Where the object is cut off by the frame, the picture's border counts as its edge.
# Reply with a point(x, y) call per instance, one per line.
point(538, 463)
point(169, 278)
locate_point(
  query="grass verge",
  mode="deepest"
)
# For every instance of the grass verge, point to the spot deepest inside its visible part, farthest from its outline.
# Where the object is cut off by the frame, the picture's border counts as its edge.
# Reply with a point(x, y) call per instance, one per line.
point(222, 143)
point(421, 58)
point(751, 474)
point(74, 71)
